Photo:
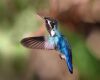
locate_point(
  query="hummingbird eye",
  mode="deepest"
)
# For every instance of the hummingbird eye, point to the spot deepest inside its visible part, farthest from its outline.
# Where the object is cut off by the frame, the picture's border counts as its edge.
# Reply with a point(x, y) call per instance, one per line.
point(52, 24)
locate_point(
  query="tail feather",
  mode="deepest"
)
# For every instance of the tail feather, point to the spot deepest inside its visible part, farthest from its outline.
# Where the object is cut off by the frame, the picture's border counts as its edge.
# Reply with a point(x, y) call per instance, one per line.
point(70, 67)
point(69, 61)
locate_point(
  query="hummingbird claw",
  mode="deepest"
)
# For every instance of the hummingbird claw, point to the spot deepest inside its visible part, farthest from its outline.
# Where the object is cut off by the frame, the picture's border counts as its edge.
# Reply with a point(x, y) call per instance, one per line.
point(62, 56)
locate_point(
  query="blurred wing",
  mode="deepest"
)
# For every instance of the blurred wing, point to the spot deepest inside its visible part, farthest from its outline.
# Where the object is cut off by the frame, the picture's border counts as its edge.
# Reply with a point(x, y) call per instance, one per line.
point(40, 42)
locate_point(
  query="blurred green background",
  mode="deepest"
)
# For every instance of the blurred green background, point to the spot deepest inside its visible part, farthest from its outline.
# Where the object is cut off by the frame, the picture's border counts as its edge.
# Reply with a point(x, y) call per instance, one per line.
point(18, 17)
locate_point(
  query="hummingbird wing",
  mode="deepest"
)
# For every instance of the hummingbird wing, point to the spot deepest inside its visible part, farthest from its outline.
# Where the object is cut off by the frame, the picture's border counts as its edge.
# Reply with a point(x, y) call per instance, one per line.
point(39, 42)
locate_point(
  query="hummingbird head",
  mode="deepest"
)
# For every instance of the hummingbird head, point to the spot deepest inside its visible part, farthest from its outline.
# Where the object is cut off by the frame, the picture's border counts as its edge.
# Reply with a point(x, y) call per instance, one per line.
point(51, 25)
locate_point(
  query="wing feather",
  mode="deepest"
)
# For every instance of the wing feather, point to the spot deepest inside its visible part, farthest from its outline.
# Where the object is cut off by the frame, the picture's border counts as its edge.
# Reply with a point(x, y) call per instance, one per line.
point(39, 42)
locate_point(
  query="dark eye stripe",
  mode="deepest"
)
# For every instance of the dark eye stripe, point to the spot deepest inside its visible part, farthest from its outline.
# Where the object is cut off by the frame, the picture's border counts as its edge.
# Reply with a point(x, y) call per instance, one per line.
point(52, 24)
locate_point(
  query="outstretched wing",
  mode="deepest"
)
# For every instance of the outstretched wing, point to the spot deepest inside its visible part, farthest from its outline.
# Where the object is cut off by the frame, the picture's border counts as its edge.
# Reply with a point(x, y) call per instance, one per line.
point(39, 42)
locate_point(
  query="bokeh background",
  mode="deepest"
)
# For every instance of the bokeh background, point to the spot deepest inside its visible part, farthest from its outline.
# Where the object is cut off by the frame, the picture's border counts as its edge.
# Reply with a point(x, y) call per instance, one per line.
point(79, 21)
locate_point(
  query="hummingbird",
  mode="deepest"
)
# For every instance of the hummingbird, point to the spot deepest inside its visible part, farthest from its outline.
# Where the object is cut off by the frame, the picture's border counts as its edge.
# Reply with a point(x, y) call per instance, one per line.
point(55, 41)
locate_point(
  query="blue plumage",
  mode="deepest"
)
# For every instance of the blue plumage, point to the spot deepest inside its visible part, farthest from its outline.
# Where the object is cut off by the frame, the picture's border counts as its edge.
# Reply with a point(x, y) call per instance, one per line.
point(59, 41)
point(64, 48)
point(55, 41)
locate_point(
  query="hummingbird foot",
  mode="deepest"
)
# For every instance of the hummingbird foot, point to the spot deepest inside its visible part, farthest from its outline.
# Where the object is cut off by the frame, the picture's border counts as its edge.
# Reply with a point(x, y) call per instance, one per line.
point(62, 56)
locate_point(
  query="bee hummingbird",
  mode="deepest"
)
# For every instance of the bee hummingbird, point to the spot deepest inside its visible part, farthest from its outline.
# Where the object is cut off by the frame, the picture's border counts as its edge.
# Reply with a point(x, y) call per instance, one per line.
point(55, 40)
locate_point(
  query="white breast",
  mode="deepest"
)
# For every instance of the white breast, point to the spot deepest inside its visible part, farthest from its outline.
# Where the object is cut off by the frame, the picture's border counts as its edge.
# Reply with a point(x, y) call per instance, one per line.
point(52, 32)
